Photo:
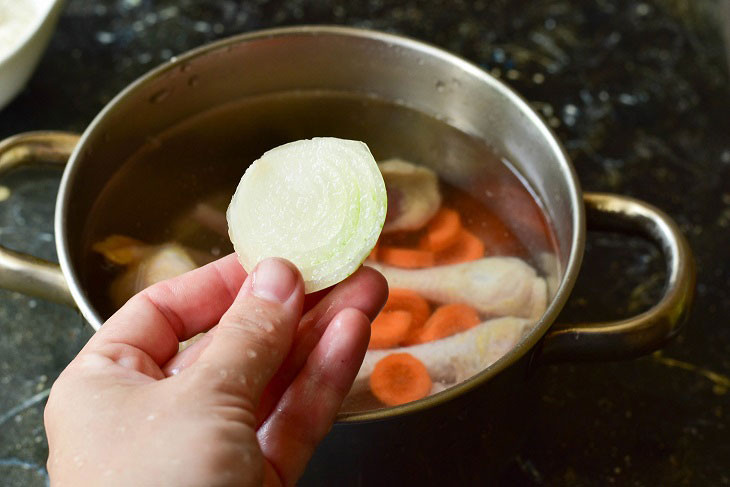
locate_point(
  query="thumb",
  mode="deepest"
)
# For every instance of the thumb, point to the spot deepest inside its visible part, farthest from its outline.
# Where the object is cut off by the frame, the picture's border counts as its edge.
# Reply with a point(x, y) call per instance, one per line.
point(256, 333)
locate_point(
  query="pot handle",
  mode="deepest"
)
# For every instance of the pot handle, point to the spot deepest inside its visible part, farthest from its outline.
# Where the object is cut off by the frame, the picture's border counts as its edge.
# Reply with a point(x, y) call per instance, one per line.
point(24, 273)
point(649, 330)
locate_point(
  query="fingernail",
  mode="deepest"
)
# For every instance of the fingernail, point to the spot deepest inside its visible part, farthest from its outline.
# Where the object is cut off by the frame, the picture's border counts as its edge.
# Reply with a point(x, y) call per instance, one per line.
point(273, 280)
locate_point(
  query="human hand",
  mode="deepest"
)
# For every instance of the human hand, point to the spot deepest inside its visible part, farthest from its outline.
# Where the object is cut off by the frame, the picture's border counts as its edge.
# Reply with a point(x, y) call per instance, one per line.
point(244, 405)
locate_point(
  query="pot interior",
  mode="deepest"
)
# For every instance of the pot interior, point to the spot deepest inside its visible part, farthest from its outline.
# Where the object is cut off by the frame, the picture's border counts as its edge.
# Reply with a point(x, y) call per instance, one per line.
point(184, 134)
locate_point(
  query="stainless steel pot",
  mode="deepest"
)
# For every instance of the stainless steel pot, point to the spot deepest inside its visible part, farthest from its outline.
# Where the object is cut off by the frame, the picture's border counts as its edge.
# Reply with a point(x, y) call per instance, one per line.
point(408, 443)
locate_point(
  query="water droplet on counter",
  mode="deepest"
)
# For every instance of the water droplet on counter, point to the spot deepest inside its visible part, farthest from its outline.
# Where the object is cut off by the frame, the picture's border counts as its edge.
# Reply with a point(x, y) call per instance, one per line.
point(499, 55)
point(643, 9)
point(202, 27)
point(570, 110)
point(104, 37)
point(159, 96)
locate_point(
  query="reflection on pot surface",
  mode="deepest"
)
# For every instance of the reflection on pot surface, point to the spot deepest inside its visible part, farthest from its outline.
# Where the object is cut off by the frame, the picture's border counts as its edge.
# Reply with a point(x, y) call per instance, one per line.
point(467, 250)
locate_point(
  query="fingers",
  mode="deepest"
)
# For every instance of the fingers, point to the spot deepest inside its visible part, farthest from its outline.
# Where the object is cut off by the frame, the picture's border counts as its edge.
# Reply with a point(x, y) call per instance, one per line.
point(366, 290)
point(308, 408)
point(156, 319)
point(256, 333)
point(189, 356)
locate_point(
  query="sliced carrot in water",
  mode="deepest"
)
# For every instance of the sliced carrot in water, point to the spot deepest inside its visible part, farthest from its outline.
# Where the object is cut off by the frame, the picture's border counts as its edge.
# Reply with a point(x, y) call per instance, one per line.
point(497, 238)
point(413, 337)
point(400, 378)
point(467, 247)
point(485, 224)
point(120, 249)
point(389, 328)
point(406, 258)
point(411, 301)
point(442, 231)
point(448, 320)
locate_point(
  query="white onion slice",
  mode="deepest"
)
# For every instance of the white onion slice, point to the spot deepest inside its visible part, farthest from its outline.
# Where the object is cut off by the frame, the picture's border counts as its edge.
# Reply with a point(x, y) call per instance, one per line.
point(319, 203)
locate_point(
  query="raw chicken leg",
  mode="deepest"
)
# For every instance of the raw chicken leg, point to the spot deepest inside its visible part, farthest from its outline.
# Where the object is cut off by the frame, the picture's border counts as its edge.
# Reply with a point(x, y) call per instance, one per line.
point(495, 286)
point(413, 195)
point(458, 357)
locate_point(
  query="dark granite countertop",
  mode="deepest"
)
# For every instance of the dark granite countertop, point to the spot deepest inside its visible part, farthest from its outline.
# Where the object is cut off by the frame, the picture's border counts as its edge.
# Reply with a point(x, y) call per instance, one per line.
point(637, 91)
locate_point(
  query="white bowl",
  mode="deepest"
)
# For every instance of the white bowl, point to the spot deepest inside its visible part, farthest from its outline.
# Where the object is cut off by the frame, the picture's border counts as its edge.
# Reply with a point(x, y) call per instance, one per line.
point(18, 64)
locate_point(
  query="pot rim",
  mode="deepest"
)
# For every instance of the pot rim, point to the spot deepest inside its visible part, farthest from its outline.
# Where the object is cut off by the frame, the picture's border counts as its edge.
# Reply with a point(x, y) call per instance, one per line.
point(566, 168)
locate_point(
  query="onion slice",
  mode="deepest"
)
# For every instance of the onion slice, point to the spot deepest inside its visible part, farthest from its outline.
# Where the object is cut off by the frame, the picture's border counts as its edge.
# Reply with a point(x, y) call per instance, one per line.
point(319, 203)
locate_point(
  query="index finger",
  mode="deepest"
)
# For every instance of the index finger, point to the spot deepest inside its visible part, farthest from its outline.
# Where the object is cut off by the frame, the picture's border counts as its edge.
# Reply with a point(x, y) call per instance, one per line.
point(159, 317)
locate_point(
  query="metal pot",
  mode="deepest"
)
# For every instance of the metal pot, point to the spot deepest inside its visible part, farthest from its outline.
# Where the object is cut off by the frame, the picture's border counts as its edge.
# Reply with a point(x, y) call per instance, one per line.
point(411, 443)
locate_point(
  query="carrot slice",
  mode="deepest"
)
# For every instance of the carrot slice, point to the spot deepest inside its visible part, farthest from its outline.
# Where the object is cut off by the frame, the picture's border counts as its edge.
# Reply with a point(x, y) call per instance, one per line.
point(442, 231)
point(407, 258)
point(389, 329)
point(498, 239)
point(411, 301)
point(413, 337)
point(467, 247)
point(120, 249)
point(448, 320)
point(400, 378)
